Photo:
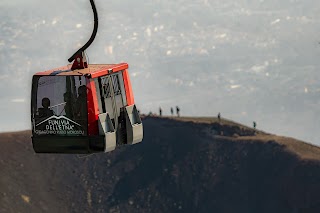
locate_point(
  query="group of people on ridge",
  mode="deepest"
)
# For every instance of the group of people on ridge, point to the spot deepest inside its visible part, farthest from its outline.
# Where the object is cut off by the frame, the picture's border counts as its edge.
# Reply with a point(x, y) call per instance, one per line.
point(171, 110)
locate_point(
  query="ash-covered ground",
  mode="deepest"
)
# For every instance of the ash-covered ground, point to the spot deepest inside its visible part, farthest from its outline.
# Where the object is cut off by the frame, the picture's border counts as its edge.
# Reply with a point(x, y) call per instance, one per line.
point(182, 165)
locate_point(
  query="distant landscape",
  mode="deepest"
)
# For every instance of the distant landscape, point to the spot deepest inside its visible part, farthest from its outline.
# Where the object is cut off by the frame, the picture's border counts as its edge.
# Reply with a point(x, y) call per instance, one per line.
point(250, 60)
point(190, 164)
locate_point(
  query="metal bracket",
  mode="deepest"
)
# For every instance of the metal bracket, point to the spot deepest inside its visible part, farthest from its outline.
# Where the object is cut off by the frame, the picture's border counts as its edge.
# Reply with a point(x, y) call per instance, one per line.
point(80, 62)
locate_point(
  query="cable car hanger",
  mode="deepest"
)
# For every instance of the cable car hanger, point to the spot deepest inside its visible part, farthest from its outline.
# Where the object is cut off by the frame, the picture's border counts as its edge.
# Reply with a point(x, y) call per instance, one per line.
point(79, 58)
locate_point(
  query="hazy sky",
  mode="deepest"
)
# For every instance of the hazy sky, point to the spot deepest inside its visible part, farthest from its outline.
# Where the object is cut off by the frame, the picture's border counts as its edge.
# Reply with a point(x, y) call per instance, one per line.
point(249, 60)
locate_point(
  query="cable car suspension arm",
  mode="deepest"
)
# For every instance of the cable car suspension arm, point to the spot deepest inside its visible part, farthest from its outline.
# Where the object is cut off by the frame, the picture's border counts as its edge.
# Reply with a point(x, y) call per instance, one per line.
point(80, 61)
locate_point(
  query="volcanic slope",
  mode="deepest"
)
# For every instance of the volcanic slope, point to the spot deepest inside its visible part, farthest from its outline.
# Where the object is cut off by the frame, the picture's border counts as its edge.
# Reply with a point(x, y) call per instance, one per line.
point(182, 165)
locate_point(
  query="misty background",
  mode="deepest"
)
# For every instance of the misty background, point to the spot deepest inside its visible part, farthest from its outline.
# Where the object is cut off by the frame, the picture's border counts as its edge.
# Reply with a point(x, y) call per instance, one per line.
point(250, 60)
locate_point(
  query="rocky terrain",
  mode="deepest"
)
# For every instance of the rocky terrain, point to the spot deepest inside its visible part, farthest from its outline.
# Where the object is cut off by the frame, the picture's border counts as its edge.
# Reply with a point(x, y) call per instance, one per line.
point(182, 165)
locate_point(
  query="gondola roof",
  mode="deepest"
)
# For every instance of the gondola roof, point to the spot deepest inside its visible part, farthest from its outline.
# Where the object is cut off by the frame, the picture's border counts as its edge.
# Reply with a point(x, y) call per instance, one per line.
point(93, 70)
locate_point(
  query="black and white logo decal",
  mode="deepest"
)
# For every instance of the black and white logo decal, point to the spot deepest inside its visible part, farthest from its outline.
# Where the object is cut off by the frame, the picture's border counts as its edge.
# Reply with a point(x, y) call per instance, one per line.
point(59, 125)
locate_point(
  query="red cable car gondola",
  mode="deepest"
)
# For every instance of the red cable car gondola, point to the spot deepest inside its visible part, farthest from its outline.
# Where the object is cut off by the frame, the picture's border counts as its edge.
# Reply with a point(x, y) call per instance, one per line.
point(83, 108)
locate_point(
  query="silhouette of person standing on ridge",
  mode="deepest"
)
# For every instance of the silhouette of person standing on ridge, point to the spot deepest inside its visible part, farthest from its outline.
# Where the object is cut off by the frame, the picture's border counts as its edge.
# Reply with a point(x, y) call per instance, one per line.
point(160, 111)
point(219, 117)
point(171, 111)
point(254, 124)
point(178, 111)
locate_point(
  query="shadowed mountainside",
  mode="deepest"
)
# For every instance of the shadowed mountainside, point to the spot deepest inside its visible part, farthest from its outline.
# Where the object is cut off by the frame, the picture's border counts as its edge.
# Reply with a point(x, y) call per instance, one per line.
point(182, 165)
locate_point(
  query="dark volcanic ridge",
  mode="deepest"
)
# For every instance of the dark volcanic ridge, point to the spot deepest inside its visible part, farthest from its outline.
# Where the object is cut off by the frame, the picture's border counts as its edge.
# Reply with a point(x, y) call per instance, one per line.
point(182, 165)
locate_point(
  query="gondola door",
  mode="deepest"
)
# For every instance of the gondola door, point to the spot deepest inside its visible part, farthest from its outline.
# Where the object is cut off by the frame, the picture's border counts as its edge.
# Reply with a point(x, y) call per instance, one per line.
point(113, 99)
